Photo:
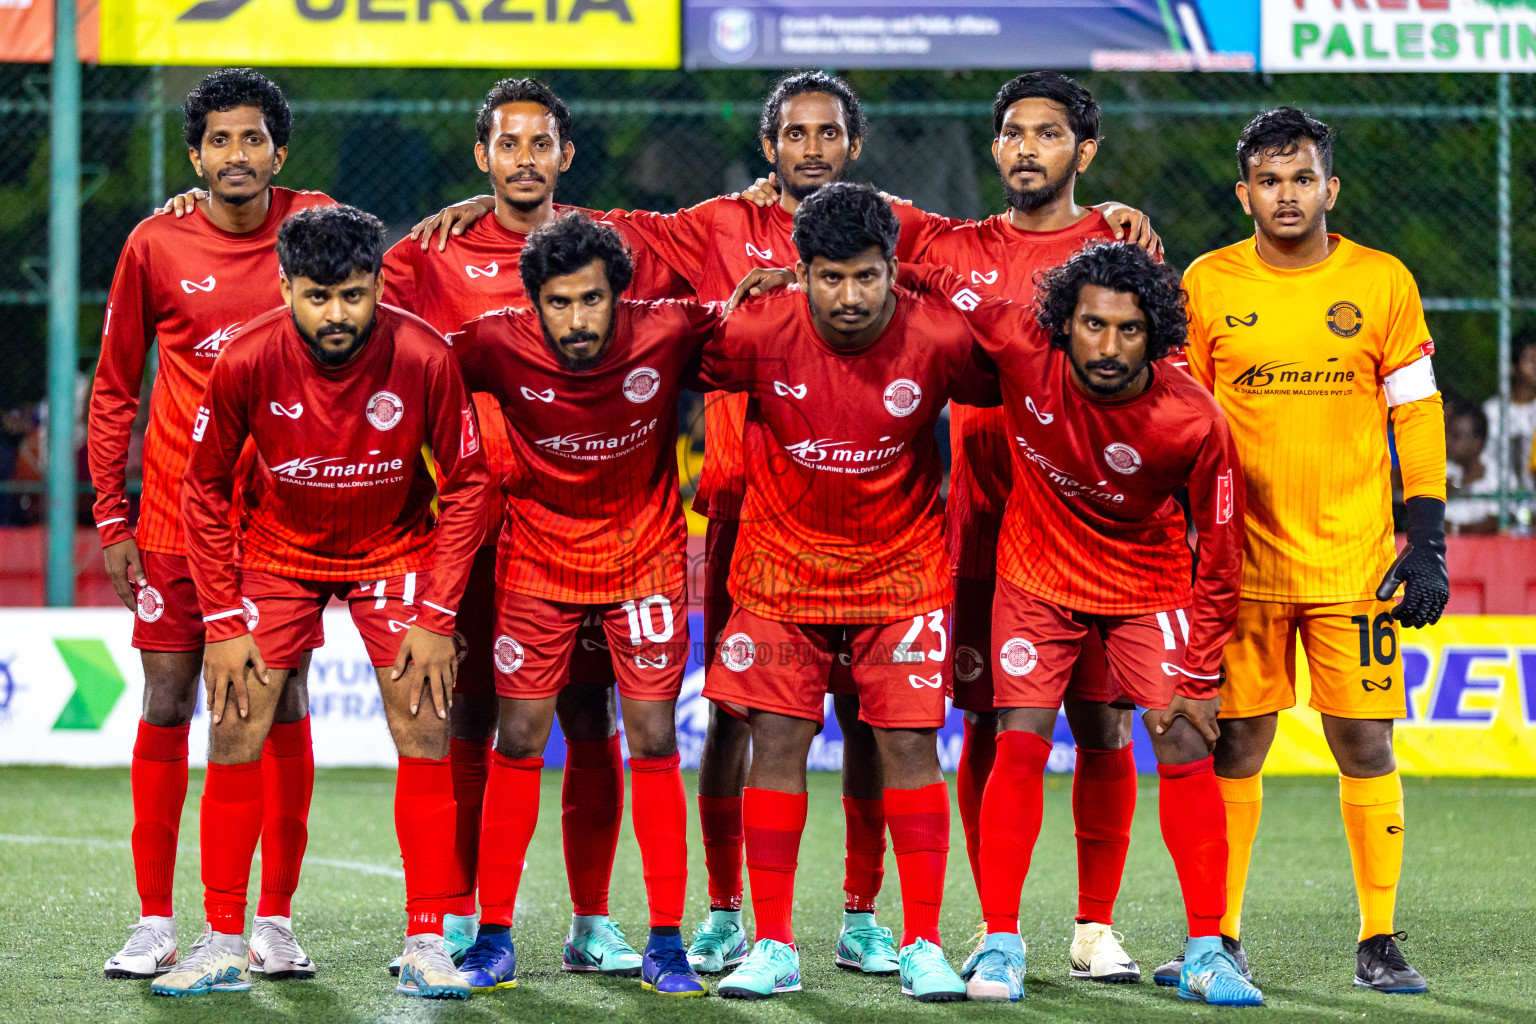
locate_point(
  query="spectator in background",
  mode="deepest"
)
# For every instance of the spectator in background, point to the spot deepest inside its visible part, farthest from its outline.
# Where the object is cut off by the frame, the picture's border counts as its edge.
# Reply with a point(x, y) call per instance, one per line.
point(21, 462)
point(1521, 428)
point(1471, 476)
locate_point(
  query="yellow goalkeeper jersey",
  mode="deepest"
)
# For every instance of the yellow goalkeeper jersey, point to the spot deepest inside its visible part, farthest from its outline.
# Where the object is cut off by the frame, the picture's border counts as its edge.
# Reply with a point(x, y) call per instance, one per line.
point(1298, 360)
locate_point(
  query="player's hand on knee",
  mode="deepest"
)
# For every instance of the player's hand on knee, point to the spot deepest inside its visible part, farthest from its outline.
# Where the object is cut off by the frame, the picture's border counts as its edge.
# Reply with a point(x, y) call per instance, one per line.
point(429, 661)
point(1200, 713)
point(185, 204)
point(760, 281)
point(231, 667)
point(125, 567)
point(452, 220)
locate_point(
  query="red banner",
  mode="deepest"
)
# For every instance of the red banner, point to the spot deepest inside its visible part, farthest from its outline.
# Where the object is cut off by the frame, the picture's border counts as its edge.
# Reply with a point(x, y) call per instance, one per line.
point(26, 31)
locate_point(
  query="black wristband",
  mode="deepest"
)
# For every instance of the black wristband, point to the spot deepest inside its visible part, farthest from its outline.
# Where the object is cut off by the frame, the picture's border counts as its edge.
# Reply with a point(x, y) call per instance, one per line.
point(1426, 523)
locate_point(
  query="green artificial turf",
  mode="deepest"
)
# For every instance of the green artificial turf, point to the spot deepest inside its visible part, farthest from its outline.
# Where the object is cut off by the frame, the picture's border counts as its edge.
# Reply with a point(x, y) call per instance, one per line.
point(1468, 903)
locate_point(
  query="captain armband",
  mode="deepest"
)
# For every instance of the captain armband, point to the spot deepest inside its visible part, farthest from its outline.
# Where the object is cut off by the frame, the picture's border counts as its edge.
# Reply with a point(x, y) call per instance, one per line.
point(1410, 383)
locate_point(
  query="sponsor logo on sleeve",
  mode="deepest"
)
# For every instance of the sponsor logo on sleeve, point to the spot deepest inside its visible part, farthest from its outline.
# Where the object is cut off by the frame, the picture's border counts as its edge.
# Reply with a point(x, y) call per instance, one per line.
point(1224, 498)
point(902, 397)
point(200, 425)
point(642, 384)
point(966, 299)
point(508, 655)
point(150, 604)
point(469, 433)
point(385, 410)
point(1122, 458)
point(1018, 656)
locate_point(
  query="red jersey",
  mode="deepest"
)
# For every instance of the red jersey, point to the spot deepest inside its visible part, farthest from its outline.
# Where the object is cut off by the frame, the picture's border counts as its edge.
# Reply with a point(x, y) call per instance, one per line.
point(478, 273)
point(994, 258)
point(596, 517)
point(1091, 523)
point(713, 246)
point(341, 489)
point(843, 521)
point(190, 285)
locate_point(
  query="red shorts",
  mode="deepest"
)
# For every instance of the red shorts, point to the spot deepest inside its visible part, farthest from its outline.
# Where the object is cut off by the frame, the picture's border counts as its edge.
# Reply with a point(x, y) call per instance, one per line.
point(972, 629)
point(475, 627)
point(535, 653)
point(283, 614)
point(1038, 644)
point(899, 669)
point(719, 546)
point(168, 617)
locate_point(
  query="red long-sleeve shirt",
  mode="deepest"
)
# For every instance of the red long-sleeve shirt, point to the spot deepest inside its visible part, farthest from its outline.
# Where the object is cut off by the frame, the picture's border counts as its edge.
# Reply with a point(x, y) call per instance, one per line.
point(190, 285)
point(1091, 522)
point(341, 489)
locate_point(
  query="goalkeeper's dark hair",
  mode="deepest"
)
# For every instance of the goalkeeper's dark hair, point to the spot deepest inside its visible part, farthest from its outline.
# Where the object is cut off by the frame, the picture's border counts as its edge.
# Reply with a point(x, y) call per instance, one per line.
point(841, 219)
point(328, 244)
point(231, 88)
point(569, 243)
point(1082, 109)
point(1280, 132)
point(1120, 267)
point(797, 83)
point(523, 90)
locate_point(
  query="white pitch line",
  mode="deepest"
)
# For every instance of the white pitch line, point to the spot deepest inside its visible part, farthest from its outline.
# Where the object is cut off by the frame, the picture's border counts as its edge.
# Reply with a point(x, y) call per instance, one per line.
point(122, 844)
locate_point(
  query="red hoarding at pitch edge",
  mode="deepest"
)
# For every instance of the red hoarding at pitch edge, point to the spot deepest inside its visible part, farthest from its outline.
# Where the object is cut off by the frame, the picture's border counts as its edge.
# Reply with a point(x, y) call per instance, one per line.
point(26, 31)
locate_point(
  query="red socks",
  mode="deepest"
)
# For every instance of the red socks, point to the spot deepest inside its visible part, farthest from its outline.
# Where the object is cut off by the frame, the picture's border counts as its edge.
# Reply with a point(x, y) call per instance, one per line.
point(287, 782)
point(1010, 824)
point(470, 763)
point(424, 823)
point(230, 825)
point(774, 822)
point(506, 827)
point(919, 820)
point(591, 809)
point(864, 857)
point(662, 832)
point(720, 821)
point(1194, 821)
point(977, 752)
point(159, 781)
point(1103, 804)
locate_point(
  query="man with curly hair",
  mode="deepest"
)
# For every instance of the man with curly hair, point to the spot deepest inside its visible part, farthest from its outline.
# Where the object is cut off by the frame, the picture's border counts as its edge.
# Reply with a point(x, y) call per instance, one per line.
point(1093, 541)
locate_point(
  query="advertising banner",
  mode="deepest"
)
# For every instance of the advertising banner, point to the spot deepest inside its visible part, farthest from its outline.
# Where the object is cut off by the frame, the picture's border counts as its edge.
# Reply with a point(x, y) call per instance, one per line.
point(393, 33)
point(71, 689)
point(1399, 35)
point(26, 31)
point(1125, 35)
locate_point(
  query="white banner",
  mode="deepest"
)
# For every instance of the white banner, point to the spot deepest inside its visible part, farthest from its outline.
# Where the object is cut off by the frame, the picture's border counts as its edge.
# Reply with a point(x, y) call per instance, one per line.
point(1398, 35)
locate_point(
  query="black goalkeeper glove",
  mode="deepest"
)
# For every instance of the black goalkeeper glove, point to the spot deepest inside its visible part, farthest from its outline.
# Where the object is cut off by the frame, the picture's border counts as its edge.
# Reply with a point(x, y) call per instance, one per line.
point(1421, 567)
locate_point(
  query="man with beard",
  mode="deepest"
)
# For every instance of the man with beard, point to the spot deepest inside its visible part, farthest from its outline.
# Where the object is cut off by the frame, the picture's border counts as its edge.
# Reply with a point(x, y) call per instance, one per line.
point(337, 395)
point(523, 142)
point(588, 385)
point(1093, 541)
point(1311, 343)
point(189, 285)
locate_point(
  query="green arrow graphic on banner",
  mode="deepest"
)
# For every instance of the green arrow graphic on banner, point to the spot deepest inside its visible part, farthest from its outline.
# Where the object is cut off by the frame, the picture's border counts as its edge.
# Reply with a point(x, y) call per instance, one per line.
point(98, 684)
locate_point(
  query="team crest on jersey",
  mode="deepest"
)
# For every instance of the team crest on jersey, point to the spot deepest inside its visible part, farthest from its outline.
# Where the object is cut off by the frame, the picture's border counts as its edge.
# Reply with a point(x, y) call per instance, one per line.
point(460, 647)
point(508, 655)
point(642, 384)
point(1345, 319)
point(1122, 458)
point(150, 604)
point(1018, 657)
point(968, 663)
point(902, 397)
point(385, 409)
point(252, 613)
point(738, 652)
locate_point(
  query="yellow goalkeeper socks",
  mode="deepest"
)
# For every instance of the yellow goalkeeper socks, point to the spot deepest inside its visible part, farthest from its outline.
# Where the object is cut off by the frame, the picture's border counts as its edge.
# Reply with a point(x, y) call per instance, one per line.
point(1373, 823)
point(1244, 798)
